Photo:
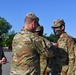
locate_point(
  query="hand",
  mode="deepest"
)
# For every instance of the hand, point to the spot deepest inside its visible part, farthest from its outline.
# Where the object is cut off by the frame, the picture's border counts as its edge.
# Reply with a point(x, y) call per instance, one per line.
point(55, 44)
point(3, 61)
point(45, 73)
point(63, 73)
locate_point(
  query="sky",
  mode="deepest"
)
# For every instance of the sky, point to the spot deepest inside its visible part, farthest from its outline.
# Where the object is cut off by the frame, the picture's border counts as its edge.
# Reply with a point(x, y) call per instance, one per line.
point(14, 11)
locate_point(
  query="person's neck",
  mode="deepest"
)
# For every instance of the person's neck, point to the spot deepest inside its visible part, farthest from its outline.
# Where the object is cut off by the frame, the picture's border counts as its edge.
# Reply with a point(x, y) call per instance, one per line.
point(62, 34)
point(26, 27)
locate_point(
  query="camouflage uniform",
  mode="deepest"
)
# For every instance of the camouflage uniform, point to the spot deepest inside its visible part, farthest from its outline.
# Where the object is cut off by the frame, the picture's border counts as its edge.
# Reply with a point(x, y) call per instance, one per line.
point(43, 60)
point(39, 30)
point(66, 57)
point(27, 48)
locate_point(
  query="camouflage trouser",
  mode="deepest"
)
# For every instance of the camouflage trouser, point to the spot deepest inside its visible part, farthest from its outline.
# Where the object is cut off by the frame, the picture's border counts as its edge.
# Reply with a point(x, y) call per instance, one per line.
point(15, 72)
point(43, 65)
point(62, 74)
point(20, 72)
point(0, 69)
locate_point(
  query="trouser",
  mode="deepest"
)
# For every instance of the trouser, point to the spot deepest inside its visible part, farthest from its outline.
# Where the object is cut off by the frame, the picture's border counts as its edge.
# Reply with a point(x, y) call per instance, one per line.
point(61, 74)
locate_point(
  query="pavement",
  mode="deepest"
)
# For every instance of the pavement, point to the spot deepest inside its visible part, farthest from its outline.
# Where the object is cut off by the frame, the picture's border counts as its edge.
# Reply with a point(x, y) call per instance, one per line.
point(6, 67)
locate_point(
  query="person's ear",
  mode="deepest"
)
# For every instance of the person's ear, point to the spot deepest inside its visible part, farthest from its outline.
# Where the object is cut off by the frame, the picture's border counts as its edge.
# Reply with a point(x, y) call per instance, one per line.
point(33, 22)
point(62, 27)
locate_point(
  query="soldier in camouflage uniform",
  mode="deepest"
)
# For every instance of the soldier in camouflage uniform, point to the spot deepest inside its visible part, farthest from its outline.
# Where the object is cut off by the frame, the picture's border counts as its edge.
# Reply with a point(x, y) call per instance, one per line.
point(27, 48)
point(64, 64)
point(39, 31)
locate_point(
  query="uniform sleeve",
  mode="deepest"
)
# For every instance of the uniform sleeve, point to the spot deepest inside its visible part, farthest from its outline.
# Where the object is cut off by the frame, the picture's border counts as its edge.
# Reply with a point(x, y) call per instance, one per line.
point(44, 47)
point(71, 57)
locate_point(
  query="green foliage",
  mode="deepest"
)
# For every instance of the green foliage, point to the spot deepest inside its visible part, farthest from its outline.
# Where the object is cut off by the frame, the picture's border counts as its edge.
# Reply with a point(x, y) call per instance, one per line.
point(51, 37)
point(7, 36)
point(75, 38)
point(4, 25)
point(9, 40)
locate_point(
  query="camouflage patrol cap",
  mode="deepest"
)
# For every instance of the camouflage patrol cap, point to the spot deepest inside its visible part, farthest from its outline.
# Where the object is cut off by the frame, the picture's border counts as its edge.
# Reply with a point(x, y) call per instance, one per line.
point(58, 23)
point(33, 16)
point(39, 28)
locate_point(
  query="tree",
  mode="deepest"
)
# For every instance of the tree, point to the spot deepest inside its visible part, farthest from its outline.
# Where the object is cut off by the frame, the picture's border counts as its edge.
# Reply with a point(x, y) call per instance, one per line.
point(7, 39)
point(4, 25)
point(4, 28)
point(51, 37)
point(10, 38)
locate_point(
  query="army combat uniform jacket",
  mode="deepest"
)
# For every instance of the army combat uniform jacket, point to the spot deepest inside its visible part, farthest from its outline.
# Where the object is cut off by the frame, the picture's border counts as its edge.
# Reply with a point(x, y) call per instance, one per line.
point(66, 56)
point(27, 49)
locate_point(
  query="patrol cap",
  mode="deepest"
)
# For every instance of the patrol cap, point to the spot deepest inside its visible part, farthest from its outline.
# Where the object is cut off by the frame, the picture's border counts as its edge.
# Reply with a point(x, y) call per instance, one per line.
point(39, 28)
point(33, 16)
point(58, 23)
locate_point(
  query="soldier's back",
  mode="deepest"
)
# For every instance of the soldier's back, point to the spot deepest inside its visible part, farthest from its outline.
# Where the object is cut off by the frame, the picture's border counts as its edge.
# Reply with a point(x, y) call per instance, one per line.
point(25, 57)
